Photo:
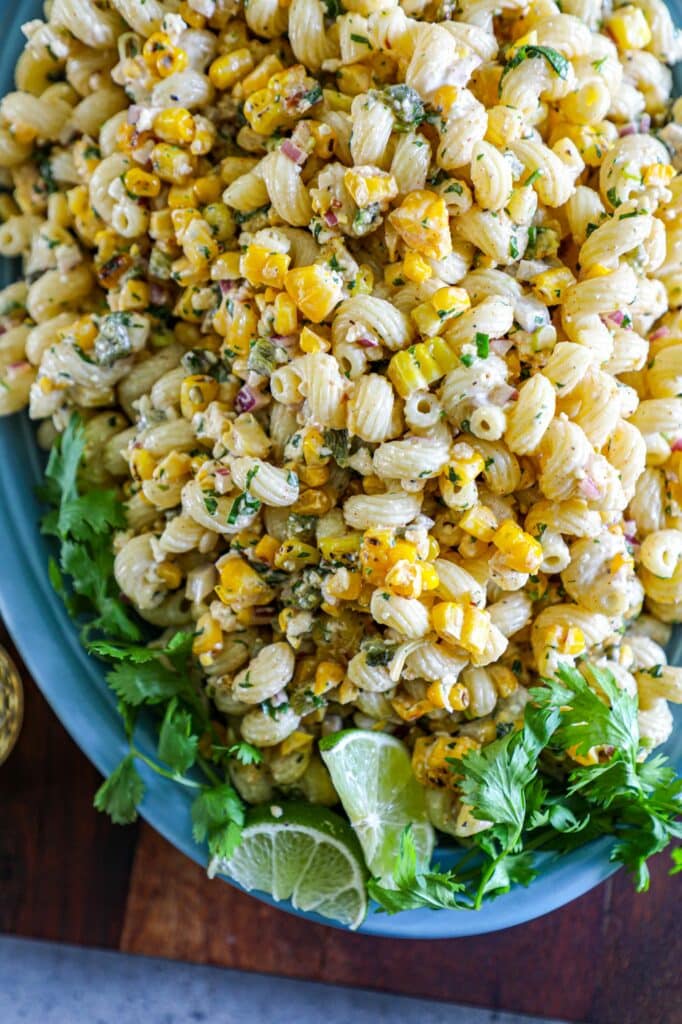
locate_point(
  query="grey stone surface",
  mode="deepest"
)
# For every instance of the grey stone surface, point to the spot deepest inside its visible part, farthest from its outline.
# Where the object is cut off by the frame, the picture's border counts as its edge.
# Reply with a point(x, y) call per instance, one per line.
point(45, 983)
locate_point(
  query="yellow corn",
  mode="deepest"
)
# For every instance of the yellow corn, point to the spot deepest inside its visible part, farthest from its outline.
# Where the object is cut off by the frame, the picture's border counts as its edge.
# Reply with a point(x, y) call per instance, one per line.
point(345, 585)
point(523, 552)
point(588, 759)
point(154, 46)
point(504, 679)
point(172, 164)
point(324, 137)
point(347, 692)
point(444, 304)
point(226, 71)
point(243, 329)
point(354, 79)
point(422, 222)
point(208, 189)
point(192, 17)
point(170, 573)
point(341, 548)
point(480, 522)
point(629, 28)
point(451, 696)
point(295, 554)
point(430, 578)
point(266, 549)
point(314, 289)
point(174, 466)
point(241, 585)
point(141, 184)
point(410, 710)
point(432, 755)
point(463, 625)
point(364, 281)
point(132, 295)
point(369, 185)
point(445, 98)
point(415, 268)
point(196, 391)
point(374, 553)
point(260, 266)
point(328, 674)
point(171, 61)
point(142, 463)
point(312, 503)
point(465, 467)
point(597, 270)
point(298, 740)
point(209, 635)
point(550, 286)
point(261, 75)
point(658, 174)
point(420, 365)
point(285, 320)
point(404, 579)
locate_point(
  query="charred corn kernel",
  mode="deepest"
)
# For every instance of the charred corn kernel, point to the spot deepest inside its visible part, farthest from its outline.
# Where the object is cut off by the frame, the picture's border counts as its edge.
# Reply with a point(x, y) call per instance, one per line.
point(285, 320)
point(175, 125)
point(465, 467)
point(265, 114)
point(596, 270)
point(445, 303)
point(354, 79)
point(324, 137)
point(295, 554)
point(550, 286)
point(369, 185)
point(422, 222)
point(141, 184)
point(402, 551)
point(240, 584)
point(314, 289)
point(410, 710)
point(432, 757)
point(504, 679)
point(226, 71)
point(404, 579)
point(451, 696)
point(196, 391)
point(629, 28)
point(190, 16)
point(564, 639)
point(339, 549)
point(260, 266)
point(170, 573)
point(658, 174)
point(142, 463)
point(172, 164)
point(347, 692)
point(345, 585)
point(132, 295)
point(174, 466)
point(523, 552)
point(266, 549)
point(312, 503)
point(480, 522)
point(328, 674)
point(416, 268)
point(161, 225)
point(374, 554)
point(445, 98)
point(209, 635)
point(447, 618)
point(298, 740)
point(430, 578)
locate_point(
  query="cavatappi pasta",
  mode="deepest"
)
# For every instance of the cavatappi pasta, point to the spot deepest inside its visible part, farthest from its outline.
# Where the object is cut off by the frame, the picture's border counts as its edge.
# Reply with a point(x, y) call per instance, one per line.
point(373, 311)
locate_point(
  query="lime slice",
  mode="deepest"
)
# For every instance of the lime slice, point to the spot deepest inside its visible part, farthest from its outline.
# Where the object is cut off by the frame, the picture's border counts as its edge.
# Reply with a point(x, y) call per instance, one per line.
point(304, 853)
point(372, 774)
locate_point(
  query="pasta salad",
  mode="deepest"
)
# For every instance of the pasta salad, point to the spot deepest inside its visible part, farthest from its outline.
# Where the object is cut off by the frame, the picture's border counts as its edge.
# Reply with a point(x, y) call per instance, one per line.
point(355, 328)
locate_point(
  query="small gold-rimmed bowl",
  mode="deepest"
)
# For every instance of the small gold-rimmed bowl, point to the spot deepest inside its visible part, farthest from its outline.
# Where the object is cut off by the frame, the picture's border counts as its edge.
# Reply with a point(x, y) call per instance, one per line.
point(11, 704)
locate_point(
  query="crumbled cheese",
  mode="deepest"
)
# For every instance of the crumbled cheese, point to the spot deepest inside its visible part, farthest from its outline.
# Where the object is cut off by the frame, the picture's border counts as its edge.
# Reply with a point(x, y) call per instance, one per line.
point(173, 25)
point(276, 811)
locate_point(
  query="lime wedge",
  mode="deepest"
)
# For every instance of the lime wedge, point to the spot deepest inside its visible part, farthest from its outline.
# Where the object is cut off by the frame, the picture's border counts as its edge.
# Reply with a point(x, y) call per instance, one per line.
point(304, 853)
point(372, 774)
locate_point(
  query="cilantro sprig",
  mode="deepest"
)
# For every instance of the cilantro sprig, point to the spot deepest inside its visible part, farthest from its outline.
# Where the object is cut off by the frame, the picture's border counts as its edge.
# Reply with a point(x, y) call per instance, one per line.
point(160, 679)
point(635, 803)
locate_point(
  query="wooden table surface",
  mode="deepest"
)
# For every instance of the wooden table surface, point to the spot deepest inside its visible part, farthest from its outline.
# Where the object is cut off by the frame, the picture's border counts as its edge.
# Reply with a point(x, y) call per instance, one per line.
point(68, 875)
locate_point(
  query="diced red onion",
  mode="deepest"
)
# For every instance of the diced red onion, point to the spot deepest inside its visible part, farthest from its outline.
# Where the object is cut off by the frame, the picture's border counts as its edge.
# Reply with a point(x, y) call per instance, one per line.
point(589, 489)
point(226, 287)
point(676, 446)
point(330, 219)
point(502, 394)
point(245, 399)
point(660, 332)
point(19, 367)
point(222, 471)
point(285, 340)
point(158, 295)
point(645, 123)
point(628, 129)
point(292, 151)
point(134, 113)
point(367, 342)
point(616, 317)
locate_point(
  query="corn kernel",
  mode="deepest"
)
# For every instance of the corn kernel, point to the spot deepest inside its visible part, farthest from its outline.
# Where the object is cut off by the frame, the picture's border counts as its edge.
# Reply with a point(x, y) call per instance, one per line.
point(141, 184)
point(347, 692)
point(354, 79)
point(266, 549)
point(134, 294)
point(658, 175)
point(314, 289)
point(171, 61)
point(312, 503)
point(430, 578)
point(261, 74)
point(422, 222)
point(404, 579)
point(504, 679)
point(196, 391)
point(445, 98)
point(295, 554)
point(174, 466)
point(175, 125)
point(142, 463)
point(550, 286)
point(416, 268)
point(410, 710)
point(523, 552)
point(629, 28)
point(369, 185)
point(324, 137)
point(260, 266)
point(451, 696)
point(190, 16)
point(170, 573)
point(480, 522)
point(226, 71)
point(465, 466)
point(240, 585)
point(463, 625)
point(432, 756)
point(341, 548)
point(209, 635)
point(345, 585)
point(156, 44)
point(172, 164)
point(328, 675)
point(298, 740)
point(596, 270)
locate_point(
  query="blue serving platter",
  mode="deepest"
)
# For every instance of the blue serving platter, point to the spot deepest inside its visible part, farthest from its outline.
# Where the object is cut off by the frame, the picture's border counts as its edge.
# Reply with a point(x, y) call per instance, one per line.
point(74, 685)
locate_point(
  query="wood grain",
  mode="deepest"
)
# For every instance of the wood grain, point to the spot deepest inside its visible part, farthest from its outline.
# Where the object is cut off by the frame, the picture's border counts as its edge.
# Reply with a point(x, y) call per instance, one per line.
point(67, 874)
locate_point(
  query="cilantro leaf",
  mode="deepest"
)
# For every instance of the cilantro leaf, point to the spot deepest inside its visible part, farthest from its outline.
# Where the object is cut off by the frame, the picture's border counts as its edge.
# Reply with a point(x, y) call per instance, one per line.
point(245, 753)
point(218, 816)
point(414, 888)
point(180, 645)
point(120, 794)
point(177, 743)
point(146, 683)
point(556, 60)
